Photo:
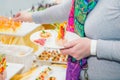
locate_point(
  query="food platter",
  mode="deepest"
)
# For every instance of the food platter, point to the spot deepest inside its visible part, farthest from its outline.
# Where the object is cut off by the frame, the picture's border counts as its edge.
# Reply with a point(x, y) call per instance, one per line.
point(54, 71)
point(24, 29)
point(50, 42)
point(50, 56)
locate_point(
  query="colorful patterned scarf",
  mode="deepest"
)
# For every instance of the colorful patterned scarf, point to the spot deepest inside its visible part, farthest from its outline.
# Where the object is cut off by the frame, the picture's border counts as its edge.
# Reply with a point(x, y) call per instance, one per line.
point(79, 11)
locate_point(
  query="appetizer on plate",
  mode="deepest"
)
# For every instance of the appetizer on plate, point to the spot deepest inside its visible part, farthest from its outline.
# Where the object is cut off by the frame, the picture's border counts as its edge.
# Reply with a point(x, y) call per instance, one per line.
point(52, 56)
point(46, 72)
point(40, 41)
point(45, 34)
point(43, 75)
point(60, 40)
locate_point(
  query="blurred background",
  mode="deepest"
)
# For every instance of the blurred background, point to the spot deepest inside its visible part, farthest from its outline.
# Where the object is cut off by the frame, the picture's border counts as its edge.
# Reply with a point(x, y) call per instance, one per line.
point(10, 7)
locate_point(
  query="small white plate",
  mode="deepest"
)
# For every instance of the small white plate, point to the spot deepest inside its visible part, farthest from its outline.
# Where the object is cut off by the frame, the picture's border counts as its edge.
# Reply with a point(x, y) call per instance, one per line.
point(13, 69)
point(51, 41)
point(57, 72)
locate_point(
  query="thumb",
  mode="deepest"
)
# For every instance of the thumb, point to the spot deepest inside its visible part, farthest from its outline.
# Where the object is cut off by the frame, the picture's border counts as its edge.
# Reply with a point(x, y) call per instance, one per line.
point(17, 19)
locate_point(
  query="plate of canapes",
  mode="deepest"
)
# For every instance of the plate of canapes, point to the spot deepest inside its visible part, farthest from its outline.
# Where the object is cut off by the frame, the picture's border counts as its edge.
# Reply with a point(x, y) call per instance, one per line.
point(50, 56)
point(54, 39)
point(49, 73)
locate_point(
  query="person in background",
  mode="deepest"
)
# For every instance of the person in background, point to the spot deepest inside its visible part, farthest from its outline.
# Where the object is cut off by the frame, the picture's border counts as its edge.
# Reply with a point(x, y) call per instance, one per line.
point(101, 28)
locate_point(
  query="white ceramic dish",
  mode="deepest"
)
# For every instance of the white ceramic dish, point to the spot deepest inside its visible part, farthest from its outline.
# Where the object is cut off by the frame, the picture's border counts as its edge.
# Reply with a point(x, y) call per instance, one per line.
point(57, 72)
point(51, 42)
point(13, 69)
point(24, 29)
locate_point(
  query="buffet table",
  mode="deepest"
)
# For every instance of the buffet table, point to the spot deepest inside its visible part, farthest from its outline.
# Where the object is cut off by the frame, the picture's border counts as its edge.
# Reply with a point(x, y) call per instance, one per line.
point(24, 39)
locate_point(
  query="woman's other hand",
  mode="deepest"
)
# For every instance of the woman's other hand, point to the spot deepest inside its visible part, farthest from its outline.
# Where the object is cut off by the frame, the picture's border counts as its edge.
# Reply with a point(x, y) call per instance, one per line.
point(79, 48)
point(23, 16)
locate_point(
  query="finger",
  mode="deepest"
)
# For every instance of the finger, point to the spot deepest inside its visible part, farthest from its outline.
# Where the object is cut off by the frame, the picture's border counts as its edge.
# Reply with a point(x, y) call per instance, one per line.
point(71, 44)
point(71, 53)
point(17, 15)
point(67, 51)
point(17, 18)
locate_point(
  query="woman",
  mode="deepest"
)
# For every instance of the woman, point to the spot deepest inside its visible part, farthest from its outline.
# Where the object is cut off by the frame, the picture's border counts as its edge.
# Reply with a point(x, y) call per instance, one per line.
point(101, 44)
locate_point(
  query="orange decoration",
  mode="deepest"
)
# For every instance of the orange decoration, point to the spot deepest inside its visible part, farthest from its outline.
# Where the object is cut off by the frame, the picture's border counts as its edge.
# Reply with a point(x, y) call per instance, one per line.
point(2, 63)
point(61, 31)
point(8, 24)
point(61, 34)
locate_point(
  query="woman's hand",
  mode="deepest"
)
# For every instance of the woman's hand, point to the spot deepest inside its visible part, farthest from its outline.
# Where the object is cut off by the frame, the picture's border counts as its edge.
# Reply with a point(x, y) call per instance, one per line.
point(23, 16)
point(79, 48)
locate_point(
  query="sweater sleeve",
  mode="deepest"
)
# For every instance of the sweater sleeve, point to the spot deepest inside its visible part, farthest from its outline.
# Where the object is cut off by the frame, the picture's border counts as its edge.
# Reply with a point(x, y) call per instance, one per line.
point(58, 13)
point(108, 50)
